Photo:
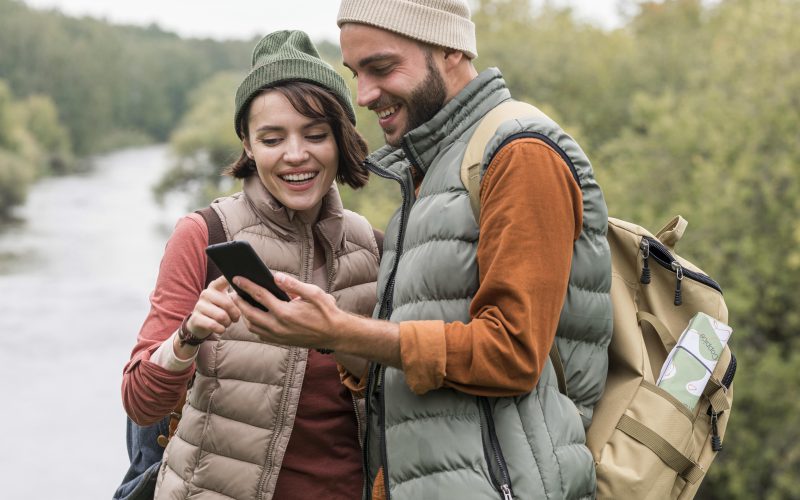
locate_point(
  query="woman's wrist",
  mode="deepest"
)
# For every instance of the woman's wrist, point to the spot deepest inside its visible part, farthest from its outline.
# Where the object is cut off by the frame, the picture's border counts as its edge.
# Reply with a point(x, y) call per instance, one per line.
point(185, 344)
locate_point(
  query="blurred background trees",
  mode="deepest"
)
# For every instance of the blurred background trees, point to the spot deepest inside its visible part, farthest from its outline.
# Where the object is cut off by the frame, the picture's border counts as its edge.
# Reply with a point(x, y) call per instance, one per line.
point(691, 108)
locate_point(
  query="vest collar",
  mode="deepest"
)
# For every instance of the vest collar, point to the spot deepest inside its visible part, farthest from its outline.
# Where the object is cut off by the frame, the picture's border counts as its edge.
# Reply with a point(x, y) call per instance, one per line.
point(423, 145)
point(283, 220)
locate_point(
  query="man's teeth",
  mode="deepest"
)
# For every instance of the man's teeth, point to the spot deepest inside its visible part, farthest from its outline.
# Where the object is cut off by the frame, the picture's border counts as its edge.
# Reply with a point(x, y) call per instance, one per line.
point(387, 112)
point(299, 177)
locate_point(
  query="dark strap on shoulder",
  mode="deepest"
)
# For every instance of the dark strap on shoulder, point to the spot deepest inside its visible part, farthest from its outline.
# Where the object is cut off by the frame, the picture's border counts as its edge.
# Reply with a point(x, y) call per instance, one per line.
point(216, 234)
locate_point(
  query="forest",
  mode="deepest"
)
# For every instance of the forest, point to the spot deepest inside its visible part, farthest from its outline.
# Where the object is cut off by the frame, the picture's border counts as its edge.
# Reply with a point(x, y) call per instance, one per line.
point(690, 108)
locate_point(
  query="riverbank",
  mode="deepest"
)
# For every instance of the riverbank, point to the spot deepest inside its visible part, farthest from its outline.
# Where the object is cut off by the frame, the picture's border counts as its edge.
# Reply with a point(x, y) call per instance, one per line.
point(75, 272)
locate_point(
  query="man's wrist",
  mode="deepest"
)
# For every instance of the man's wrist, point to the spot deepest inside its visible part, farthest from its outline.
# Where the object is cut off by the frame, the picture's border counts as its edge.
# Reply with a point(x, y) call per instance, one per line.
point(343, 324)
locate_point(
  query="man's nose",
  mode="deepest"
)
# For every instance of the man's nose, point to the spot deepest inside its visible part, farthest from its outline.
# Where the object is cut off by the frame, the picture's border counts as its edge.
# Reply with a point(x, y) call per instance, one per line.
point(368, 92)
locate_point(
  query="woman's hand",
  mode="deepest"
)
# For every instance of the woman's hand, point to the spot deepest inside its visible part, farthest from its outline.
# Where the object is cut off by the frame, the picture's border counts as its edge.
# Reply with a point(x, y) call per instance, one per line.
point(214, 312)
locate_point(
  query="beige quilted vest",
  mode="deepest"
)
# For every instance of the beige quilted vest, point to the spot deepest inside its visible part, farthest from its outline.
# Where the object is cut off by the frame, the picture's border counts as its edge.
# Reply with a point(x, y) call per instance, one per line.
point(240, 411)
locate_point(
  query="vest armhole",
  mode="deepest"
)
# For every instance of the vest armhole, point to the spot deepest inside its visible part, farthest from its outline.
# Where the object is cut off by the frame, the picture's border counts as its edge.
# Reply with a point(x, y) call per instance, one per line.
point(379, 240)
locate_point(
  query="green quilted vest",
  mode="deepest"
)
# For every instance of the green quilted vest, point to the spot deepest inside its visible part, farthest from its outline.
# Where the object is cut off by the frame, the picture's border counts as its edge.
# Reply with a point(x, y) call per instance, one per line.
point(446, 444)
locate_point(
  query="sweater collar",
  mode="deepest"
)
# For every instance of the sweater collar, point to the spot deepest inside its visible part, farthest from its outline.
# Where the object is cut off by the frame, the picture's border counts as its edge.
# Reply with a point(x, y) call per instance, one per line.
point(285, 221)
point(423, 145)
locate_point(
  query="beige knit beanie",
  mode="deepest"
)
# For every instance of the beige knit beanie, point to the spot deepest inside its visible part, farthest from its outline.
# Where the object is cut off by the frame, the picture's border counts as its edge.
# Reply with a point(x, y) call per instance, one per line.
point(445, 23)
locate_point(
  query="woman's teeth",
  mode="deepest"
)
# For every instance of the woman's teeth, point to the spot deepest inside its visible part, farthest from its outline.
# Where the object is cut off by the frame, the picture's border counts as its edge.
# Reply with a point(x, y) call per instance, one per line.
point(299, 177)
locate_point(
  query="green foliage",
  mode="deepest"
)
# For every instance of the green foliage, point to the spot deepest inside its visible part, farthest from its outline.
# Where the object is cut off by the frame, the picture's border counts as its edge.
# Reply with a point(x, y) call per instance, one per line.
point(693, 108)
point(205, 141)
point(105, 79)
point(32, 143)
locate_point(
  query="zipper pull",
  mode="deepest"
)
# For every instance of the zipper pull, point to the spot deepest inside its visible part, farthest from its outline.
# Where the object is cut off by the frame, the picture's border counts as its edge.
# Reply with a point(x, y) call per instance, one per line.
point(679, 275)
point(506, 492)
point(716, 441)
point(645, 246)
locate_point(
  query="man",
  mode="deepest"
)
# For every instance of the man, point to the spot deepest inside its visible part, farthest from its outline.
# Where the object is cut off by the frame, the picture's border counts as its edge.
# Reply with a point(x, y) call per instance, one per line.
point(463, 400)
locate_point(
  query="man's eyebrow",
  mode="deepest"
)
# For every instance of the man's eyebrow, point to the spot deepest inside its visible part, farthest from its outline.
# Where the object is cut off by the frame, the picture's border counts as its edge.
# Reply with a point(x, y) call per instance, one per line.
point(371, 59)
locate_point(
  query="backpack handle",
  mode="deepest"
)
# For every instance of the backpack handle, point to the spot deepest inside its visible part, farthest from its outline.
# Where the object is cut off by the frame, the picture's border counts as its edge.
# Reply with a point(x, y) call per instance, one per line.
point(667, 338)
point(672, 232)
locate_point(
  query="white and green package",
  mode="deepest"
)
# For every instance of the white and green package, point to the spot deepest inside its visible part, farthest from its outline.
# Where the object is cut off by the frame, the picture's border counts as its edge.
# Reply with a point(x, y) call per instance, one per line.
point(690, 364)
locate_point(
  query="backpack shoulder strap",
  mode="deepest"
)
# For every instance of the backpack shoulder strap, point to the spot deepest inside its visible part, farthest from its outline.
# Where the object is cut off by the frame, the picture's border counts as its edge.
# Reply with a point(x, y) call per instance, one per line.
point(473, 157)
point(216, 234)
point(471, 177)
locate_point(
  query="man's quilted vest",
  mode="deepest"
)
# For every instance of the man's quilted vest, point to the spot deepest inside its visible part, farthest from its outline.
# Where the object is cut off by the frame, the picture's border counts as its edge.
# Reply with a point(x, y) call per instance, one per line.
point(240, 411)
point(446, 444)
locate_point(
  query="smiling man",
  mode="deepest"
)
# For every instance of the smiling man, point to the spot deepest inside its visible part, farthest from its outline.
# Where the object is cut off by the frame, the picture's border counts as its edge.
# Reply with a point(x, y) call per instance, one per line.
point(462, 395)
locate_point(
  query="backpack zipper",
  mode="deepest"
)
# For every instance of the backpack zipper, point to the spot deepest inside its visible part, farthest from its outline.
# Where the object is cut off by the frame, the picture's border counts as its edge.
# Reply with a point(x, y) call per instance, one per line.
point(662, 256)
point(727, 380)
point(502, 483)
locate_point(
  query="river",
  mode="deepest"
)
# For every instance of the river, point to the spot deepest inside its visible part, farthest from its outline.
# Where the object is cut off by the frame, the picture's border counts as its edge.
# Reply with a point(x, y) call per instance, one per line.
point(75, 273)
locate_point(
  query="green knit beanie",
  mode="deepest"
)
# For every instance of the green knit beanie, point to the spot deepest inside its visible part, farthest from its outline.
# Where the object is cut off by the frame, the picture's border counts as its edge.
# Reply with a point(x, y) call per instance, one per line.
point(289, 56)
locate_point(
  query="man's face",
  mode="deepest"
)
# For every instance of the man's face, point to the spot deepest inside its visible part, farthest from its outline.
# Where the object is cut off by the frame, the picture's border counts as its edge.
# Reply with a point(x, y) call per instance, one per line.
point(397, 78)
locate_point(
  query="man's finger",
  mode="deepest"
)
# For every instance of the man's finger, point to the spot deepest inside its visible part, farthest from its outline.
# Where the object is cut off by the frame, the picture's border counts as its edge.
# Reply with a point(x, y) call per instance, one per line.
point(259, 293)
point(254, 317)
point(296, 288)
point(220, 284)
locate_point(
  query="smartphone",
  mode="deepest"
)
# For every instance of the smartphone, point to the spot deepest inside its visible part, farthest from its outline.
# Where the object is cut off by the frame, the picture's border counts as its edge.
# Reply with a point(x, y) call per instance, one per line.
point(237, 258)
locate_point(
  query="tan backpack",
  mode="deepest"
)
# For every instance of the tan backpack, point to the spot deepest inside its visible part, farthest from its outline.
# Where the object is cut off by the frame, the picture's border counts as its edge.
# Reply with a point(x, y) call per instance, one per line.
point(646, 444)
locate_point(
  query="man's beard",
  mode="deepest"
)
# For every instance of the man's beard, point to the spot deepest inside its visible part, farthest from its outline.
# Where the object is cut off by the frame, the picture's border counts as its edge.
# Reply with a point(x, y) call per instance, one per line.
point(425, 100)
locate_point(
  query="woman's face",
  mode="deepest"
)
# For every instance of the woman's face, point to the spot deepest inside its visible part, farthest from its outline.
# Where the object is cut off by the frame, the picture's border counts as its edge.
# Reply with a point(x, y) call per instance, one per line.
point(296, 156)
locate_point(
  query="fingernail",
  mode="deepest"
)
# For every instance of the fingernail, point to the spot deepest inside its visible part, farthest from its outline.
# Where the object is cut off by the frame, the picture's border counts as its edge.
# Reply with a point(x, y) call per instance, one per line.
point(280, 277)
point(236, 281)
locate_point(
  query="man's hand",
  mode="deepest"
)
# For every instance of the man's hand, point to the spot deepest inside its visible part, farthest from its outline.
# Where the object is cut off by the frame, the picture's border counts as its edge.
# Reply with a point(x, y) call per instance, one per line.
point(312, 320)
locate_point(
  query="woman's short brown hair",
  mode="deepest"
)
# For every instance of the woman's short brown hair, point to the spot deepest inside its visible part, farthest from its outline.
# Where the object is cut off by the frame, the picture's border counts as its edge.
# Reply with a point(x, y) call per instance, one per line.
point(315, 102)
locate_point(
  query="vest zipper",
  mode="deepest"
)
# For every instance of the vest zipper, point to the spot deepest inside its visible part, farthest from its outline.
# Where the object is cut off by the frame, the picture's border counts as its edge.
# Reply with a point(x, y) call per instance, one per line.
point(498, 468)
point(385, 312)
point(269, 465)
point(294, 353)
point(662, 256)
point(328, 248)
point(382, 425)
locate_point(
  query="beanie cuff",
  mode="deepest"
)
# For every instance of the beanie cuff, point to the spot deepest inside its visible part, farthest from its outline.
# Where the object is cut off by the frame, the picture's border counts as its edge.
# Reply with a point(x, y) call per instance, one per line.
point(297, 70)
point(413, 20)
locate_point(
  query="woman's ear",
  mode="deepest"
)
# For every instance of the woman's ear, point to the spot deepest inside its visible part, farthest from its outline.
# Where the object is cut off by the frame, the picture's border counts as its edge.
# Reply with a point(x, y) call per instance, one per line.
point(247, 149)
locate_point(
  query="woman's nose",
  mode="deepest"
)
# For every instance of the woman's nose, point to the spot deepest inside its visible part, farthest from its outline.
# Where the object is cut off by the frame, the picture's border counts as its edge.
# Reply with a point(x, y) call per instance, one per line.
point(296, 151)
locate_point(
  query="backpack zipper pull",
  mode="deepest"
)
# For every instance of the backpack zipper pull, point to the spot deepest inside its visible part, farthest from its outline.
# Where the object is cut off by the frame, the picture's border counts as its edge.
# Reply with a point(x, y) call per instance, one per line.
point(679, 275)
point(645, 245)
point(716, 441)
point(506, 492)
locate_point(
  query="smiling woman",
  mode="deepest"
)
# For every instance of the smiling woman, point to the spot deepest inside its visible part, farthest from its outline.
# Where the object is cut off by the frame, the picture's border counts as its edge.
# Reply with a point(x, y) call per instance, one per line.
point(292, 131)
point(272, 421)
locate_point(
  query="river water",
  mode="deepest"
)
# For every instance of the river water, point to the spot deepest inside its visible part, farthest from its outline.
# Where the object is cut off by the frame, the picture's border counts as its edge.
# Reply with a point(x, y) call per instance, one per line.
point(75, 273)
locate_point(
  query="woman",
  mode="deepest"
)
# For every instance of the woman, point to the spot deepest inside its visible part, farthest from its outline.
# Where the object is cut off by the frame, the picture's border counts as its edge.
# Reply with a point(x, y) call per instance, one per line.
point(263, 421)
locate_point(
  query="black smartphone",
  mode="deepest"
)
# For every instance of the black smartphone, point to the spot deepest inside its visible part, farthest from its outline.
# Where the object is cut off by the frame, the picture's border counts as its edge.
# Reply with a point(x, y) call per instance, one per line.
point(237, 258)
